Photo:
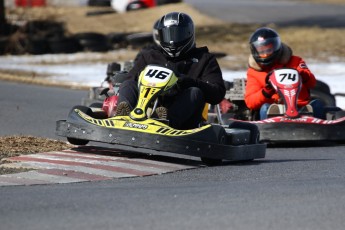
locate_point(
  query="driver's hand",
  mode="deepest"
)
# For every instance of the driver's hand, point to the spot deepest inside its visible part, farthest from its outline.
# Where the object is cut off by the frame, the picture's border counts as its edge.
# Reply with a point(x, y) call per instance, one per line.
point(268, 90)
point(267, 79)
point(185, 82)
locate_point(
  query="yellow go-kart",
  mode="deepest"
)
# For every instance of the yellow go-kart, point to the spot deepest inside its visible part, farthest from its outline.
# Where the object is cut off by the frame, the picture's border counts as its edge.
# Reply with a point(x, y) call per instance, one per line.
point(141, 132)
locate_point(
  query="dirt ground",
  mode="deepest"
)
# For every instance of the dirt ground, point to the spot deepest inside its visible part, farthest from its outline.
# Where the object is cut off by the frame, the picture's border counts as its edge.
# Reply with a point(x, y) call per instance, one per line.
point(315, 44)
point(11, 146)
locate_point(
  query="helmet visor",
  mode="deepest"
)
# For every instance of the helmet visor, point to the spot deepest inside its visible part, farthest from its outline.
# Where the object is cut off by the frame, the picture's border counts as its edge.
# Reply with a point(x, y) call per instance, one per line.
point(266, 47)
point(174, 35)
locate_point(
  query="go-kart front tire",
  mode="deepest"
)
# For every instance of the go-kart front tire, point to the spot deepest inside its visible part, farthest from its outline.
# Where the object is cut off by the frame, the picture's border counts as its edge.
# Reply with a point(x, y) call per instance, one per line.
point(211, 162)
point(75, 141)
point(221, 140)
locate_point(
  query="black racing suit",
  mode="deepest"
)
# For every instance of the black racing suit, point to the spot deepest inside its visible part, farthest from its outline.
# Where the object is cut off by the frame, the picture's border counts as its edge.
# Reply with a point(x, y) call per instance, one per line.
point(202, 83)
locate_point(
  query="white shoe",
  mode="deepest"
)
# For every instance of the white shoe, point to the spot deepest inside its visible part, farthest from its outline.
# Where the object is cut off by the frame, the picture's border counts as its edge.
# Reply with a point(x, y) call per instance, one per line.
point(307, 109)
point(276, 109)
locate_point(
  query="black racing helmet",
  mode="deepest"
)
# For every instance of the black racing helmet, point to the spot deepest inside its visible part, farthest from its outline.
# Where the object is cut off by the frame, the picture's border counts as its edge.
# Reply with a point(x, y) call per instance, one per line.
point(176, 33)
point(155, 33)
point(265, 46)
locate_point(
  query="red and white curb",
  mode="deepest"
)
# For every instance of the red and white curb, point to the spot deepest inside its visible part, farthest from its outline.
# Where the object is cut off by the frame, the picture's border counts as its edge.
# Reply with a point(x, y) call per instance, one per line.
point(71, 166)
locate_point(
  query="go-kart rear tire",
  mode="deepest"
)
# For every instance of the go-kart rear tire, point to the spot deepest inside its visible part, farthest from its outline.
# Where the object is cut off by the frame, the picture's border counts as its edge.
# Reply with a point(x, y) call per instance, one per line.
point(322, 86)
point(75, 141)
point(339, 114)
point(327, 99)
point(96, 105)
point(211, 162)
point(221, 135)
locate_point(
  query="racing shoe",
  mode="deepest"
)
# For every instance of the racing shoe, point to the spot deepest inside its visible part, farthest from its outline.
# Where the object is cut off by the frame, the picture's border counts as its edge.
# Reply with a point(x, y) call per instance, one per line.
point(307, 109)
point(122, 109)
point(162, 113)
point(275, 109)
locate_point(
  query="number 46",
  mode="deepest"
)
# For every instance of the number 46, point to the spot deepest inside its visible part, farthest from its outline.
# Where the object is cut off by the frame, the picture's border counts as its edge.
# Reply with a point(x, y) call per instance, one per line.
point(157, 74)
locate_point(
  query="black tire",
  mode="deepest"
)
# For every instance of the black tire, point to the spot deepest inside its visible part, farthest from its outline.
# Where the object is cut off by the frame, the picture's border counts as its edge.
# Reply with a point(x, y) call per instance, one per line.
point(96, 105)
point(116, 37)
point(9, 29)
point(89, 36)
point(322, 86)
point(38, 46)
point(98, 2)
point(64, 45)
point(3, 45)
point(254, 130)
point(221, 136)
point(117, 40)
point(86, 110)
point(140, 39)
point(96, 47)
point(339, 114)
point(94, 42)
point(211, 162)
point(326, 98)
point(75, 141)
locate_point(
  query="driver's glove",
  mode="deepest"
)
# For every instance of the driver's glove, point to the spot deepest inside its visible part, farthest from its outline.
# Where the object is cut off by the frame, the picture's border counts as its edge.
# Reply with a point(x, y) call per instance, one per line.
point(268, 90)
point(185, 82)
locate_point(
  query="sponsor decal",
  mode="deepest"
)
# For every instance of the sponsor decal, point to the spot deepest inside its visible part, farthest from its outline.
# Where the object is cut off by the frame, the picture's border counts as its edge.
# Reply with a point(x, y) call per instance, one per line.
point(151, 127)
point(135, 125)
point(303, 66)
point(300, 119)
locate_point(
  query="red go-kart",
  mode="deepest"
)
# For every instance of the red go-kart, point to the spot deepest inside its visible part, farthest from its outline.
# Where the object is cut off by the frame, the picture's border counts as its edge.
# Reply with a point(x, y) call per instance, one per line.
point(286, 122)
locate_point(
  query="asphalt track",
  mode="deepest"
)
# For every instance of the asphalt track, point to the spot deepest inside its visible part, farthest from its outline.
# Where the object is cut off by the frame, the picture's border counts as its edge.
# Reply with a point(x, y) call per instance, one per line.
point(292, 188)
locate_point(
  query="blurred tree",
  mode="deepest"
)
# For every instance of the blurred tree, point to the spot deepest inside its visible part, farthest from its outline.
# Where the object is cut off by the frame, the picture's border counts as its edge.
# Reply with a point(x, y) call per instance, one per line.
point(2, 17)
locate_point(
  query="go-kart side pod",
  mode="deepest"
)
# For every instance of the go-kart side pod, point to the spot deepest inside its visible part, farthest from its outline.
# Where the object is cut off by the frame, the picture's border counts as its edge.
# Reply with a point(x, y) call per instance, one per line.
point(154, 137)
point(303, 129)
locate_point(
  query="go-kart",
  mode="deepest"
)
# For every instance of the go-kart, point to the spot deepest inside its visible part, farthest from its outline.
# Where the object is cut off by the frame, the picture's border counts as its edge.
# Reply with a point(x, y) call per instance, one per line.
point(141, 131)
point(286, 122)
point(115, 75)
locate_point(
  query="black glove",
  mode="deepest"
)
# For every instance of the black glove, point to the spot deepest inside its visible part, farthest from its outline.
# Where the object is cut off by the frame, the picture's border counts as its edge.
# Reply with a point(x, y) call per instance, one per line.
point(185, 82)
point(268, 90)
point(172, 66)
point(267, 79)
